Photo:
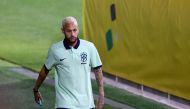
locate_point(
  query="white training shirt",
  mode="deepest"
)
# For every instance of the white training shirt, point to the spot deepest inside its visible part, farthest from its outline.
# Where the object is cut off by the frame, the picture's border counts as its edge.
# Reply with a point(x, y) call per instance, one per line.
point(72, 78)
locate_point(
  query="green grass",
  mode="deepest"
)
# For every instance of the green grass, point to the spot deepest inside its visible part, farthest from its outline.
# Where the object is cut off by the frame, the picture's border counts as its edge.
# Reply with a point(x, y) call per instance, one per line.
point(23, 92)
point(28, 28)
point(17, 90)
point(128, 98)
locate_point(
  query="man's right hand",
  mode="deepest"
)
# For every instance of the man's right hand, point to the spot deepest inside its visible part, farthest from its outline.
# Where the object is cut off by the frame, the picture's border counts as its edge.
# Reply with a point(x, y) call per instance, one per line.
point(37, 96)
point(42, 75)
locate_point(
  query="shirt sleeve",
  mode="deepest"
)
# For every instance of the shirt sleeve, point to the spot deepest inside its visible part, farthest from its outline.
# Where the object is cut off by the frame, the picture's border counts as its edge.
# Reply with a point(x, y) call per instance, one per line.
point(50, 60)
point(95, 60)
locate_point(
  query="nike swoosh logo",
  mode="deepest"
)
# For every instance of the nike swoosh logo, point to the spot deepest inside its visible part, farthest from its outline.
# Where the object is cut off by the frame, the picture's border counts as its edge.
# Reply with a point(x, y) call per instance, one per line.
point(62, 59)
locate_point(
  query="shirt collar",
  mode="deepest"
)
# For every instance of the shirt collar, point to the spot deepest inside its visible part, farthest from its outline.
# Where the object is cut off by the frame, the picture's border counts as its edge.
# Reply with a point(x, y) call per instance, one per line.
point(68, 47)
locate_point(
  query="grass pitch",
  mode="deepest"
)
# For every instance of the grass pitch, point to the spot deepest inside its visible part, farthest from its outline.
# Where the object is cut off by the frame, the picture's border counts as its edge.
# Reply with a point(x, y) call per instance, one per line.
point(27, 29)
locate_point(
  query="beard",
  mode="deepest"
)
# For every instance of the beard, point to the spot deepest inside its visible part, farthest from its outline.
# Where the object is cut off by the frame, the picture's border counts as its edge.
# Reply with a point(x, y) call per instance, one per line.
point(71, 40)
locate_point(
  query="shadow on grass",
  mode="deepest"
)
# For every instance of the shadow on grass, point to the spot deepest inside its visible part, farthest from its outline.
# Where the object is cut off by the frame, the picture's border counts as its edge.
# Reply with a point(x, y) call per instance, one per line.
point(19, 95)
point(16, 92)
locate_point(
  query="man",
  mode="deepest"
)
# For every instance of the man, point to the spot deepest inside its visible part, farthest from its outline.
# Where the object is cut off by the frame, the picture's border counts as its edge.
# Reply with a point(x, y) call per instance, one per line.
point(73, 59)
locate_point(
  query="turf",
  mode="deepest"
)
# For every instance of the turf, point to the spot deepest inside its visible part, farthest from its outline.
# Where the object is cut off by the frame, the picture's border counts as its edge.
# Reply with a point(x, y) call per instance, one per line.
point(15, 86)
point(16, 92)
point(130, 99)
point(28, 28)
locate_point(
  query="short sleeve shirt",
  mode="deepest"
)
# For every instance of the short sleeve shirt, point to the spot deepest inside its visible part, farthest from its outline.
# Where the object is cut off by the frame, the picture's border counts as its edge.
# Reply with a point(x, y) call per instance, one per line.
point(72, 78)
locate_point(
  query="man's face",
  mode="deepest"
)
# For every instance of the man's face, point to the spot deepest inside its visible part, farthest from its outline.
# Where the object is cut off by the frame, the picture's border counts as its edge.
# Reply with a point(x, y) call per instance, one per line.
point(70, 31)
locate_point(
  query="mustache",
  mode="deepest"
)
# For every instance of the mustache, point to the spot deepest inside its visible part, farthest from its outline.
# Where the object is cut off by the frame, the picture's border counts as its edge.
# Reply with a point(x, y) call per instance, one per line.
point(71, 37)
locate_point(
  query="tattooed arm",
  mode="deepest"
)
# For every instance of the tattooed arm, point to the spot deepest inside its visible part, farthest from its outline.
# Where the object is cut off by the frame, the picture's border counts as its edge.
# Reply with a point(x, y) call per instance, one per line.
point(99, 80)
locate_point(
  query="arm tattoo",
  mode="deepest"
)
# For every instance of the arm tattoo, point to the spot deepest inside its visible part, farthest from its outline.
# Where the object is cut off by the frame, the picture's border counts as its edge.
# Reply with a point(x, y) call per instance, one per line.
point(99, 79)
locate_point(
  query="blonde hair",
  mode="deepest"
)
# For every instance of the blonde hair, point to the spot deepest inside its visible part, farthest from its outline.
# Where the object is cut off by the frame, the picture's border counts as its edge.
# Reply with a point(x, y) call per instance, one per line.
point(69, 19)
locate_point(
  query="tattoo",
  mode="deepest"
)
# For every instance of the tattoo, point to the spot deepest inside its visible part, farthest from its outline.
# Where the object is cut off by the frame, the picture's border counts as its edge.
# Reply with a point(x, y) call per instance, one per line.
point(99, 79)
point(98, 75)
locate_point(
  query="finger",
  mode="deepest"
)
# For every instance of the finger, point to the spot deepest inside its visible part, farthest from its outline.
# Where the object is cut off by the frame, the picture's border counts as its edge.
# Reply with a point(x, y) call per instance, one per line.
point(40, 97)
point(37, 96)
point(40, 102)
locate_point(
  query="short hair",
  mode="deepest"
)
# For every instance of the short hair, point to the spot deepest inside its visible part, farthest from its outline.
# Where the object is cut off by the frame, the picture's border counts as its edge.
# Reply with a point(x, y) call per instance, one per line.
point(69, 19)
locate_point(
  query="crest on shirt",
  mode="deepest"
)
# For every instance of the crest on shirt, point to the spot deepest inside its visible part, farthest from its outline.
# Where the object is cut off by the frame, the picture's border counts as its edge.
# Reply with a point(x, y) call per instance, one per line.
point(83, 56)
